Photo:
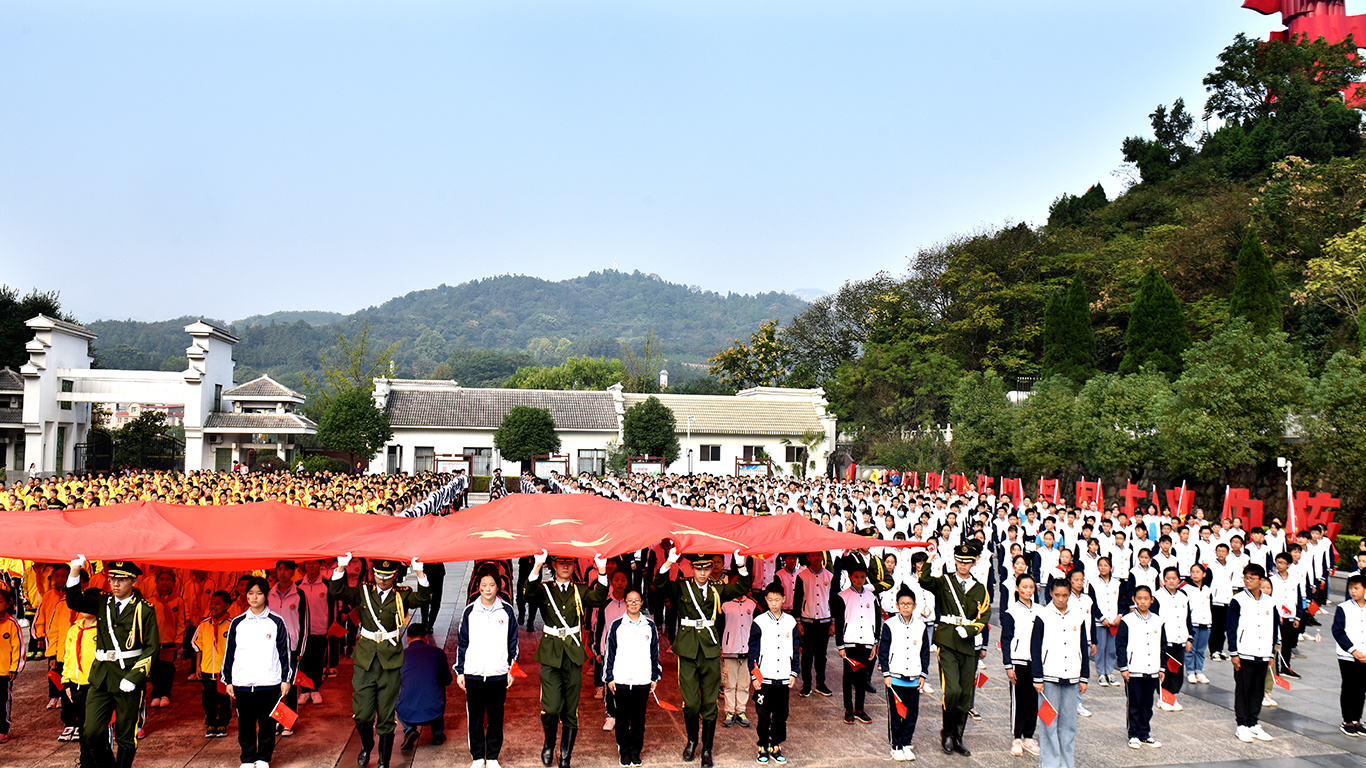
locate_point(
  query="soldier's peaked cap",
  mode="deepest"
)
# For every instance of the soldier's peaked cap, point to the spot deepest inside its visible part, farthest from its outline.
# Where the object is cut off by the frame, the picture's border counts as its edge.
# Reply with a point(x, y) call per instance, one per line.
point(699, 558)
point(966, 553)
point(124, 569)
point(385, 568)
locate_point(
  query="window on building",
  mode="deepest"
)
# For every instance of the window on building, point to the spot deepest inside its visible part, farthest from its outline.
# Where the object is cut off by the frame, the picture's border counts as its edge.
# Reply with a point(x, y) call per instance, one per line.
point(424, 459)
point(751, 452)
point(483, 459)
point(795, 454)
point(19, 448)
point(593, 461)
point(67, 386)
point(217, 398)
point(709, 453)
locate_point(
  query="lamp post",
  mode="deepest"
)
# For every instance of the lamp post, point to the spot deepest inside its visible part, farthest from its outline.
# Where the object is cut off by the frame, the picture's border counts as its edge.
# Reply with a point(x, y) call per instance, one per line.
point(1288, 466)
point(690, 421)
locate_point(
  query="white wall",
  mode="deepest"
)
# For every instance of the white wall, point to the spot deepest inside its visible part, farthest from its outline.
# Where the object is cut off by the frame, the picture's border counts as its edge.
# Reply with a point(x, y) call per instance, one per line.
point(53, 348)
point(455, 441)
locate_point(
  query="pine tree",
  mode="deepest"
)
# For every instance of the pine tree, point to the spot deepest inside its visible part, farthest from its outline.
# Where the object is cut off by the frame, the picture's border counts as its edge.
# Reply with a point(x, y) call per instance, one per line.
point(1256, 293)
point(1069, 344)
point(1157, 332)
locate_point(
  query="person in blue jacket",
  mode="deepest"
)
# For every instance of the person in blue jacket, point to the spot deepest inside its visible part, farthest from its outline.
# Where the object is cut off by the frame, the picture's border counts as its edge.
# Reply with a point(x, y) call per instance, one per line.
point(422, 688)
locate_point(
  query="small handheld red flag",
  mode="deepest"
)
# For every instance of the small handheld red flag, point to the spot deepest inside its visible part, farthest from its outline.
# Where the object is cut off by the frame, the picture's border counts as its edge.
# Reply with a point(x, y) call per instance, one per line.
point(855, 665)
point(1168, 697)
point(54, 677)
point(516, 670)
point(1046, 711)
point(304, 680)
point(981, 679)
point(1173, 666)
point(900, 705)
point(336, 630)
point(223, 689)
point(1280, 681)
point(284, 715)
point(354, 616)
point(1314, 608)
point(664, 705)
point(759, 675)
point(1114, 630)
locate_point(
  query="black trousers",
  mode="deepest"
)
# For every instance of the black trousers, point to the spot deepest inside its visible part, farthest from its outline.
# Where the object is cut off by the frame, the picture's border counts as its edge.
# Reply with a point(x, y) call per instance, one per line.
point(770, 703)
point(255, 726)
point(311, 663)
point(53, 692)
point(1026, 702)
point(436, 577)
point(1353, 689)
point(1249, 685)
point(632, 703)
point(1141, 692)
point(217, 705)
point(485, 698)
point(1173, 680)
point(6, 702)
point(856, 679)
point(163, 672)
point(901, 730)
point(1290, 639)
point(73, 704)
point(815, 642)
point(1219, 628)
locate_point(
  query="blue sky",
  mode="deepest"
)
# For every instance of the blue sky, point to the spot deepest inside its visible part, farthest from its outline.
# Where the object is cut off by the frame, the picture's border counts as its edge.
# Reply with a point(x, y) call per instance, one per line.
point(231, 158)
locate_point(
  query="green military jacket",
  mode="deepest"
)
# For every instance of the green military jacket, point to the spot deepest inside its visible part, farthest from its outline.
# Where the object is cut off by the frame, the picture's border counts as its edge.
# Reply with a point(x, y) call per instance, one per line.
point(562, 610)
point(973, 617)
point(389, 616)
point(700, 604)
point(132, 633)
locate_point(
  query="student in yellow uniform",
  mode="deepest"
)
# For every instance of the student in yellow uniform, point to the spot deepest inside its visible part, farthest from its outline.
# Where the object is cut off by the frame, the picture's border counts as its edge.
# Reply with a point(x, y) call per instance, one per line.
point(210, 646)
point(11, 661)
point(78, 654)
point(50, 626)
point(170, 613)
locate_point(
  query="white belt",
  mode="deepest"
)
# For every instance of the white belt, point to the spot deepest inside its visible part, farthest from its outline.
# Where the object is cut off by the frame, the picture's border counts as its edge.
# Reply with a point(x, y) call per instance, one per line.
point(957, 621)
point(697, 623)
point(563, 632)
point(117, 655)
point(381, 636)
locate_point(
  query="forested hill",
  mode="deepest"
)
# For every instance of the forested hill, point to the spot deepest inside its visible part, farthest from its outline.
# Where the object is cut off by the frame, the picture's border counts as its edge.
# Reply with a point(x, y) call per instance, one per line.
point(495, 325)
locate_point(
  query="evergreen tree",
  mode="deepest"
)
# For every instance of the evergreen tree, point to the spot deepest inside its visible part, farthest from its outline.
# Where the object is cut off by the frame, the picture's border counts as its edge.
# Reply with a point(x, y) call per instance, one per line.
point(1069, 344)
point(1256, 294)
point(1157, 332)
point(650, 429)
point(526, 433)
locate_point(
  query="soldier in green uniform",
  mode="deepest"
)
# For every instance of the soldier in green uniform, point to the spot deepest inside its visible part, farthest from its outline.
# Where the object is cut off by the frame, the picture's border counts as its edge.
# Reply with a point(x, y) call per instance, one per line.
point(126, 643)
point(965, 608)
point(385, 610)
point(563, 604)
point(698, 645)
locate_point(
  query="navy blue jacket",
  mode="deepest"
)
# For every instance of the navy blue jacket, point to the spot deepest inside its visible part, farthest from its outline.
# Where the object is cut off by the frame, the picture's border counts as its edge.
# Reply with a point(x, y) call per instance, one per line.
point(422, 683)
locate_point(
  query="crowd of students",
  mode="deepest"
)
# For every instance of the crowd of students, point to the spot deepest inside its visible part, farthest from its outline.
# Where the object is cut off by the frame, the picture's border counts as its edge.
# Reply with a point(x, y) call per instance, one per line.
point(1145, 599)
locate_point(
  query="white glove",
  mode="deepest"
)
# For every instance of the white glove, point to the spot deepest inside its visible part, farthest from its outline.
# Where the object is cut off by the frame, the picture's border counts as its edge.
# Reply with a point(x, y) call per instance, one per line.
point(539, 561)
point(601, 563)
point(416, 565)
point(127, 686)
point(78, 563)
point(344, 560)
point(669, 561)
point(740, 564)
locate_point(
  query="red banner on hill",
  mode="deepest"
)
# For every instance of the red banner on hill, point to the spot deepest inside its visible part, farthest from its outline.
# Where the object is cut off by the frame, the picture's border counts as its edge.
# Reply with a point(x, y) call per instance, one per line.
point(1088, 492)
point(1132, 495)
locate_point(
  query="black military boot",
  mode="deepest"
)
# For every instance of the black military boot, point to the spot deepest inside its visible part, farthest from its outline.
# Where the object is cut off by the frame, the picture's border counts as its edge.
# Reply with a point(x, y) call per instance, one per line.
point(551, 725)
point(386, 748)
point(950, 728)
point(708, 736)
point(125, 757)
point(690, 725)
point(367, 743)
point(567, 745)
point(958, 734)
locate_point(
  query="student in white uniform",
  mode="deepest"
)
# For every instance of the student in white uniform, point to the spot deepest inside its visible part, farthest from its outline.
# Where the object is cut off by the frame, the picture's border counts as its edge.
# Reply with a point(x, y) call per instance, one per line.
point(774, 656)
point(1253, 636)
point(1059, 655)
point(1017, 636)
point(1140, 644)
point(904, 655)
point(1349, 632)
point(1202, 617)
point(1174, 607)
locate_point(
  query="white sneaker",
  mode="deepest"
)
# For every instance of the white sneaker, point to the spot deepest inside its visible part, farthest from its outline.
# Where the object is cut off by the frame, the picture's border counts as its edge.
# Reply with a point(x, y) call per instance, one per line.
point(246, 765)
point(1245, 734)
point(1102, 682)
point(261, 764)
point(910, 756)
point(317, 697)
point(1134, 743)
point(477, 764)
point(1177, 707)
point(1017, 747)
point(1258, 733)
point(492, 764)
point(1083, 711)
point(1267, 701)
point(1167, 707)
point(1201, 677)
point(1191, 678)
point(897, 756)
point(609, 723)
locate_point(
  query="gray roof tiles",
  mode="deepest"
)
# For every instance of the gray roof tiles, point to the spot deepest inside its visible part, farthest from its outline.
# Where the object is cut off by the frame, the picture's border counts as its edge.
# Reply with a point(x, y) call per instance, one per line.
point(485, 408)
point(725, 415)
point(262, 387)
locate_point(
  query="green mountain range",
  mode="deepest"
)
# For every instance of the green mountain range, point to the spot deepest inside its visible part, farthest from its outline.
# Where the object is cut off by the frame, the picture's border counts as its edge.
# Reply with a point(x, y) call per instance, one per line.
point(484, 329)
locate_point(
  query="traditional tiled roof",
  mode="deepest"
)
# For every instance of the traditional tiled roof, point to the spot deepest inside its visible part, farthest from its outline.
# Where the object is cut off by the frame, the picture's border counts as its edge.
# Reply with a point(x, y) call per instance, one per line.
point(10, 381)
point(485, 408)
point(263, 388)
point(258, 422)
point(727, 415)
point(11, 416)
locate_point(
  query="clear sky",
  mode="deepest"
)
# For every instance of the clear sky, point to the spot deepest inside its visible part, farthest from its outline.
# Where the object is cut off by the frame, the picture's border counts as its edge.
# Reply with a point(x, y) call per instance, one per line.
point(230, 158)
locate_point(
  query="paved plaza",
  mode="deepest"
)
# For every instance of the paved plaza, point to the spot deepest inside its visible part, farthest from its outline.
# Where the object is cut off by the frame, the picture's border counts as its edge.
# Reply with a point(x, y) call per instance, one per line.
point(1305, 724)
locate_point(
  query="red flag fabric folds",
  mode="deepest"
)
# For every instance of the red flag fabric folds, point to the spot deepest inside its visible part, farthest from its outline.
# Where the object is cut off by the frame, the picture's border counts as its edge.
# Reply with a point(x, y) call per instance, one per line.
point(255, 535)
